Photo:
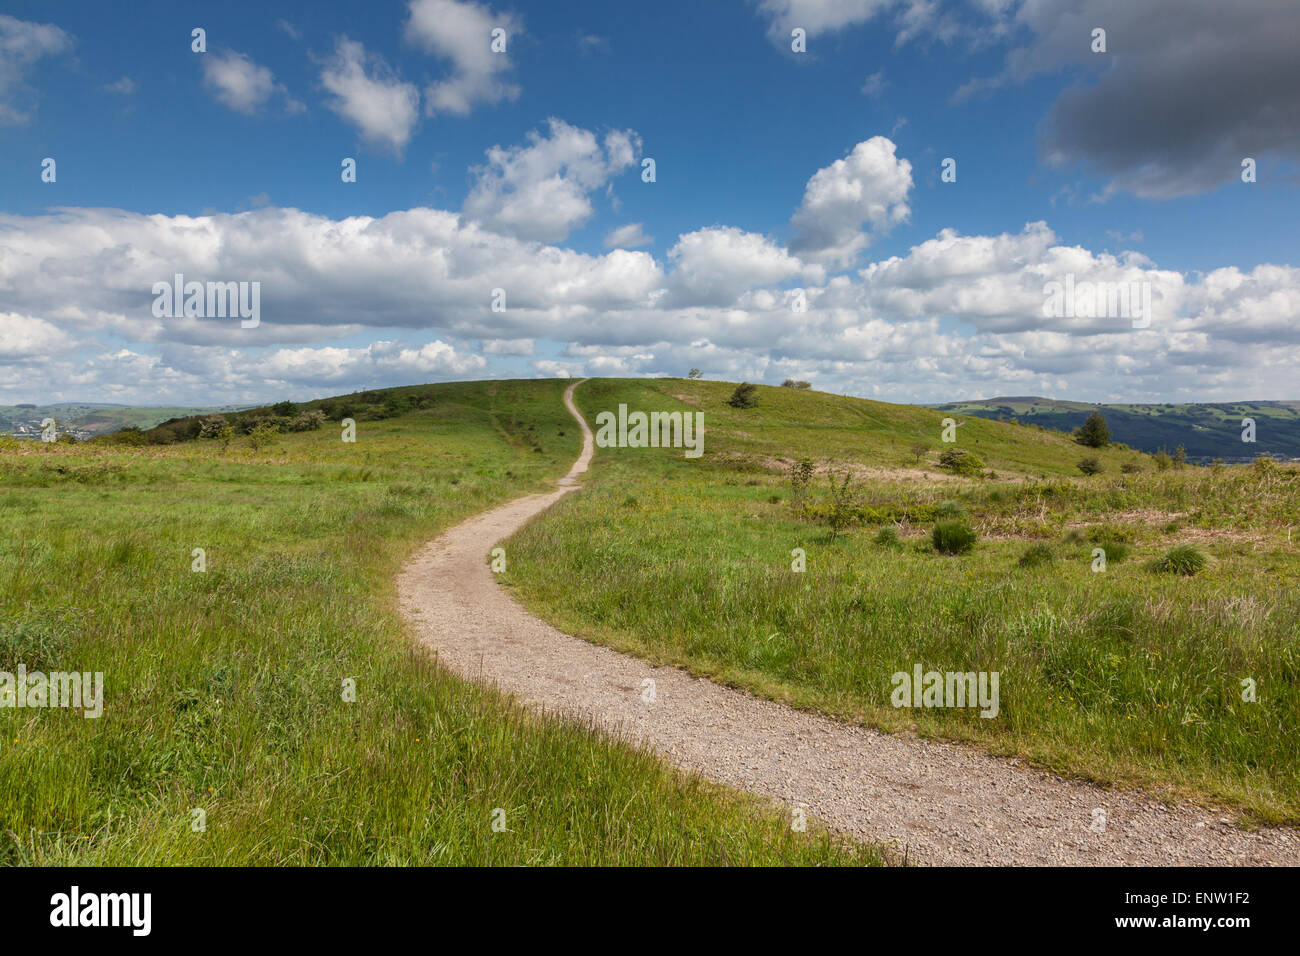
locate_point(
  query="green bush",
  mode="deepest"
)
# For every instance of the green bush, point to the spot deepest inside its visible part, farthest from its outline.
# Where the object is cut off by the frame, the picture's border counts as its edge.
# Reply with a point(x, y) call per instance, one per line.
point(953, 537)
point(745, 396)
point(1036, 555)
point(888, 536)
point(1091, 465)
point(950, 509)
point(1183, 559)
point(961, 462)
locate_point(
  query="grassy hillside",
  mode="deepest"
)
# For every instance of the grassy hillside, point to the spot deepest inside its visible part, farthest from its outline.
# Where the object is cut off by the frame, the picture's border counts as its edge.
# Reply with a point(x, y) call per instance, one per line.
point(1128, 674)
point(224, 687)
point(1207, 431)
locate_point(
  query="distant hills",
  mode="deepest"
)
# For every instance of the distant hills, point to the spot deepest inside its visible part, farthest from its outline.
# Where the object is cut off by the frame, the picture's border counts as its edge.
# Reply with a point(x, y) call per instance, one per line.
point(1207, 431)
point(88, 419)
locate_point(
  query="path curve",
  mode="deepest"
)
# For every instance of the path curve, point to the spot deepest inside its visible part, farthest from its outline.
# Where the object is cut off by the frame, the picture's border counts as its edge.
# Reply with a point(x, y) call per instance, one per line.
point(939, 803)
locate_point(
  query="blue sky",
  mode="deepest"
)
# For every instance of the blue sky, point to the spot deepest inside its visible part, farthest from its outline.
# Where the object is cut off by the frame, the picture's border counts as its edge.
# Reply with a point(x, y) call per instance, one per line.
point(1116, 166)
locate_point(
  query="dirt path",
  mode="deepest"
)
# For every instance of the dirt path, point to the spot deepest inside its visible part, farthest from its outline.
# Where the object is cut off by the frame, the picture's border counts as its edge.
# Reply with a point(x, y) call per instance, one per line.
point(939, 803)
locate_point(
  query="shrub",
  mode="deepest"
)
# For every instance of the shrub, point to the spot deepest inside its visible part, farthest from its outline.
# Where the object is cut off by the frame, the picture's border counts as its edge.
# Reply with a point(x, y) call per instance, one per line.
point(888, 536)
point(308, 421)
point(283, 408)
point(1183, 559)
point(1036, 555)
point(918, 449)
point(961, 462)
point(1162, 460)
point(1091, 465)
point(745, 396)
point(842, 510)
point(1130, 467)
point(695, 373)
point(262, 434)
point(794, 383)
point(953, 537)
point(950, 509)
point(800, 476)
point(211, 426)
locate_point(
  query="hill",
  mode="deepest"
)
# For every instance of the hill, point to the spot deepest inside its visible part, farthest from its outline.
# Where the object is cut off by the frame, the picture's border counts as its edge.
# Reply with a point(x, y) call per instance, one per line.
point(1206, 430)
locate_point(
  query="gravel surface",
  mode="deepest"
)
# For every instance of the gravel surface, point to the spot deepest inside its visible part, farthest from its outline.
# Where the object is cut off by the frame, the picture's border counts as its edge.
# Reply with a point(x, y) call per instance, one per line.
point(936, 803)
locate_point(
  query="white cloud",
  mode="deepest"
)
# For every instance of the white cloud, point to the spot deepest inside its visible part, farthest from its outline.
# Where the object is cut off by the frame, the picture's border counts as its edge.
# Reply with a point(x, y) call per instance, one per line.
point(125, 86)
point(241, 84)
point(461, 32)
point(540, 191)
point(24, 337)
point(817, 16)
point(630, 236)
point(956, 315)
point(507, 346)
point(870, 186)
point(715, 266)
point(22, 44)
point(369, 95)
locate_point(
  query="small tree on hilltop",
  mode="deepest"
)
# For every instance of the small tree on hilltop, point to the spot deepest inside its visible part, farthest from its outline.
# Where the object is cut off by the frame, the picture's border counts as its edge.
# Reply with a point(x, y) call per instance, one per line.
point(744, 396)
point(695, 373)
point(1094, 433)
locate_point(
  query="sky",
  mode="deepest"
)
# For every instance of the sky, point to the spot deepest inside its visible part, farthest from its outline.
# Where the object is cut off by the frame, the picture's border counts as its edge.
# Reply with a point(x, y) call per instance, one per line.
point(753, 188)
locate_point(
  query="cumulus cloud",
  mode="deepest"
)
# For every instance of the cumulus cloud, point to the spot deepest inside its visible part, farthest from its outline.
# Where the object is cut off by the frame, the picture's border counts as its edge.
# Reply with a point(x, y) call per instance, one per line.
point(22, 44)
point(955, 315)
point(461, 33)
point(714, 266)
point(540, 190)
point(241, 84)
point(630, 236)
point(869, 187)
point(368, 94)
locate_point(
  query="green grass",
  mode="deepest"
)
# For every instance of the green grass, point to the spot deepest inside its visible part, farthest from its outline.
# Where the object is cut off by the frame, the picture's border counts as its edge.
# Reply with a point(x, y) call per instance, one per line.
point(224, 688)
point(1125, 676)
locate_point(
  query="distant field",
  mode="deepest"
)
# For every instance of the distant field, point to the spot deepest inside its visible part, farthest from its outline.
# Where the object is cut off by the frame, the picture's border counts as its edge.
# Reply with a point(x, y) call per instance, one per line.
point(224, 687)
point(1206, 431)
point(1131, 675)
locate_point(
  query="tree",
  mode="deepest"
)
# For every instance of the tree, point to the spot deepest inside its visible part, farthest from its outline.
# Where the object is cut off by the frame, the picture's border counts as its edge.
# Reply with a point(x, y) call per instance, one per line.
point(744, 396)
point(695, 373)
point(1094, 433)
point(1091, 465)
point(919, 448)
point(795, 383)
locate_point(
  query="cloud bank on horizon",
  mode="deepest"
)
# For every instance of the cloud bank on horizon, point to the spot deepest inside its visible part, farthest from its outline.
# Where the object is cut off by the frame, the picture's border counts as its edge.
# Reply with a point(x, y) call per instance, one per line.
point(576, 246)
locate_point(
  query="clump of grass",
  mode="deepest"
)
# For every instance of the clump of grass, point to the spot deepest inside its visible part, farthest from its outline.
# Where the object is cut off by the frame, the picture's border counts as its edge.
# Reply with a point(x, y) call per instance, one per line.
point(951, 509)
point(1037, 555)
point(1115, 551)
point(953, 537)
point(1183, 559)
point(887, 536)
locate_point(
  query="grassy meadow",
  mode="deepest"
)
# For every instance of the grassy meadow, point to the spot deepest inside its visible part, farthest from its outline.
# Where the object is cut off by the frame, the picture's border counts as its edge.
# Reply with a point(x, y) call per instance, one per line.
point(1131, 675)
point(224, 687)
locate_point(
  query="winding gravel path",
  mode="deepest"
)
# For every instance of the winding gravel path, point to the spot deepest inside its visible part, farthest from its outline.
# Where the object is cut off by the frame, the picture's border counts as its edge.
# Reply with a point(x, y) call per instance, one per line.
point(938, 803)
